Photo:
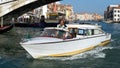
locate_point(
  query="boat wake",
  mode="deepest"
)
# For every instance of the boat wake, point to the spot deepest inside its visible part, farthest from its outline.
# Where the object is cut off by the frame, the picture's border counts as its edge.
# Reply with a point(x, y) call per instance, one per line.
point(95, 53)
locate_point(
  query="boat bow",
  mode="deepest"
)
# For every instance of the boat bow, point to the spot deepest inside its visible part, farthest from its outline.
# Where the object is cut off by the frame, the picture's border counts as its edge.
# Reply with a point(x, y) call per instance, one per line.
point(41, 40)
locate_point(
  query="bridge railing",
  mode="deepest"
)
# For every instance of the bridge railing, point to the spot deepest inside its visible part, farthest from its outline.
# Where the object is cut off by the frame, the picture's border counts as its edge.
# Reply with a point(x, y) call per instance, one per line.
point(6, 1)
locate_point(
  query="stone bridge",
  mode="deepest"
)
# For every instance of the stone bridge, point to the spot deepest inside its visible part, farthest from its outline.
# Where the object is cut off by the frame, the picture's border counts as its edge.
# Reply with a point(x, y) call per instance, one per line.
point(14, 8)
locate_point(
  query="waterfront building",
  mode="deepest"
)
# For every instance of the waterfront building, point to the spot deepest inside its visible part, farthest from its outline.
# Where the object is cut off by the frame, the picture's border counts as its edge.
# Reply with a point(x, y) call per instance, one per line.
point(82, 16)
point(56, 9)
point(116, 14)
point(52, 11)
point(69, 12)
point(112, 13)
point(97, 17)
point(88, 17)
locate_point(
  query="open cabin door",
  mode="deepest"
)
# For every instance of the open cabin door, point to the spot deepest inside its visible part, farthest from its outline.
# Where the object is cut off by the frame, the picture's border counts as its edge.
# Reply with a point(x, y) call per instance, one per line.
point(73, 31)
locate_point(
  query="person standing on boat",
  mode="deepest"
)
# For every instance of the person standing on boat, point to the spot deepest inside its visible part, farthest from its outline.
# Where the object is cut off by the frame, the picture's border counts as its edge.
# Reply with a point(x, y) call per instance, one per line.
point(62, 34)
point(61, 24)
point(42, 22)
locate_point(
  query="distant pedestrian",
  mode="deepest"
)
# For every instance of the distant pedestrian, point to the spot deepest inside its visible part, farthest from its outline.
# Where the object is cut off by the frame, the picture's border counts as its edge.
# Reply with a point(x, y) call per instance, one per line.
point(42, 22)
point(61, 24)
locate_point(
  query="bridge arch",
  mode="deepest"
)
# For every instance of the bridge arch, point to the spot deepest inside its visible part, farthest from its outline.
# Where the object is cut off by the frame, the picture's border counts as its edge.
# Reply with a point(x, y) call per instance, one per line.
point(18, 7)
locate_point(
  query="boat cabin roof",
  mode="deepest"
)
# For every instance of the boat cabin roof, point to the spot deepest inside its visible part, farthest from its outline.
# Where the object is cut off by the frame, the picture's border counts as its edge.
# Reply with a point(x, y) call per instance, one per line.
point(83, 26)
point(57, 28)
point(79, 26)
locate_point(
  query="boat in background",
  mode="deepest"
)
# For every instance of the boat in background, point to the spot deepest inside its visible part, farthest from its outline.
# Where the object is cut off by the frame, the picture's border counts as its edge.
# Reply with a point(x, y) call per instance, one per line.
point(57, 42)
point(5, 28)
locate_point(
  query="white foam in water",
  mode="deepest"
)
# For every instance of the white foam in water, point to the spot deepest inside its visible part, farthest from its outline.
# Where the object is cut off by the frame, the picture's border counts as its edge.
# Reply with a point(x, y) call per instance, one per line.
point(95, 53)
point(112, 40)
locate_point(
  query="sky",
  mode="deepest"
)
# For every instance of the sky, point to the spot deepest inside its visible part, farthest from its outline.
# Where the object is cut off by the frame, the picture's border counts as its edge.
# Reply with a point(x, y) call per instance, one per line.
point(90, 6)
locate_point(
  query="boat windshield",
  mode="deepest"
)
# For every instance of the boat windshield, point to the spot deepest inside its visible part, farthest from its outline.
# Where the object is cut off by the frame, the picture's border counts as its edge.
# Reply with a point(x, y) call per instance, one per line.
point(53, 33)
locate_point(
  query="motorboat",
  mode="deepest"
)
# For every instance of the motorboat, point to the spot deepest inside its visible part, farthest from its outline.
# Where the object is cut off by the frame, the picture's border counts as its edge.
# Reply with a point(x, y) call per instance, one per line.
point(6, 28)
point(74, 39)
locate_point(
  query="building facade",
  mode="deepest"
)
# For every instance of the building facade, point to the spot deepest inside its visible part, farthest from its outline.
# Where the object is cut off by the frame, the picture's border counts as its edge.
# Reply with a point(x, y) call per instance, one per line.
point(60, 10)
point(112, 14)
point(88, 17)
point(116, 14)
point(52, 11)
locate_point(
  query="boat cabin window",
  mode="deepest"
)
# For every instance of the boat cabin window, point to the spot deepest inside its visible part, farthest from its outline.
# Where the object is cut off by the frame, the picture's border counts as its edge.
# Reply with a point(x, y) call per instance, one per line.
point(93, 32)
point(64, 34)
point(56, 33)
point(48, 33)
point(97, 31)
point(89, 32)
point(81, 32)
point(60, 34)
point(73, 31)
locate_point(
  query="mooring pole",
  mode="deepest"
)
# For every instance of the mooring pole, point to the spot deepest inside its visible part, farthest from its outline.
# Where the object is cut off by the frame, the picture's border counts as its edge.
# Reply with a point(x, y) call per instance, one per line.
point(1, 21)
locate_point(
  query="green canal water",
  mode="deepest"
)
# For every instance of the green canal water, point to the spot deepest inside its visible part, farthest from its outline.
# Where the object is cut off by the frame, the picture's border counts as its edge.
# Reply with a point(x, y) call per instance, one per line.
point(12, 55)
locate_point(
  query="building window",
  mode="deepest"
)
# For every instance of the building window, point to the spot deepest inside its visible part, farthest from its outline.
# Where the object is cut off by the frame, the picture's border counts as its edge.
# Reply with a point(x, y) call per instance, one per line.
point(114, 10)
point(118, 11)
point(115, 15)
point(114, 19)
point(118, 15)
point(118, 19)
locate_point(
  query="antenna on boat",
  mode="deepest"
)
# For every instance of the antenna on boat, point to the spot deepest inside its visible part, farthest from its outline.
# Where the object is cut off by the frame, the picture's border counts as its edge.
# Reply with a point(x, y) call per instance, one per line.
point(1, 21)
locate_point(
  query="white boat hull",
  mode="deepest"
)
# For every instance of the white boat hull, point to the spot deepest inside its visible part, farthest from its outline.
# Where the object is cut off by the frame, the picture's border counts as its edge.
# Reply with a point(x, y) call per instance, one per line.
point(65, 47)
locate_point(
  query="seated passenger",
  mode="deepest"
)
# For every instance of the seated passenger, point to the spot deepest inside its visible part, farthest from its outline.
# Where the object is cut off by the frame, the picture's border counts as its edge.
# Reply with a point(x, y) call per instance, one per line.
point(73, 32)
point(59, 33)
point(67, 36)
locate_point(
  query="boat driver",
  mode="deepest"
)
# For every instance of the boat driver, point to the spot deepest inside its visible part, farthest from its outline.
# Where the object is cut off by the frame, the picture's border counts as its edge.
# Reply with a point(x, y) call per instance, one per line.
point(62, 23)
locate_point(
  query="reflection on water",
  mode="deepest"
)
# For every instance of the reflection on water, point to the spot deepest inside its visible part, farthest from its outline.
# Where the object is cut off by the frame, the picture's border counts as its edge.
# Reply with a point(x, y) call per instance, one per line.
point(12, 55)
